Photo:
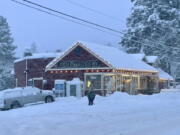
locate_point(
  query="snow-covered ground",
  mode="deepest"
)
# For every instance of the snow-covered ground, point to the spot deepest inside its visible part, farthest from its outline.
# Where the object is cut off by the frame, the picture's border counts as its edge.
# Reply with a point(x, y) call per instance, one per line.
point(118, 114)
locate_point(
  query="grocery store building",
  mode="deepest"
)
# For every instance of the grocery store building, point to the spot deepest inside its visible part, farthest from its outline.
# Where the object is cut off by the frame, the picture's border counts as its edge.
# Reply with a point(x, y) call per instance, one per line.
point(107, 69)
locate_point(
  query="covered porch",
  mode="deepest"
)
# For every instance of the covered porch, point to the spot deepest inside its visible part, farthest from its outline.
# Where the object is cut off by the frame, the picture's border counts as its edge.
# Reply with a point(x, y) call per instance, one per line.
point(132, 82)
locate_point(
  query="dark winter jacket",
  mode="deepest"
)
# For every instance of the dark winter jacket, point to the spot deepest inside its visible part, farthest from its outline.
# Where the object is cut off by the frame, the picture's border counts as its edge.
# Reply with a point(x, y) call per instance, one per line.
point(91, 95)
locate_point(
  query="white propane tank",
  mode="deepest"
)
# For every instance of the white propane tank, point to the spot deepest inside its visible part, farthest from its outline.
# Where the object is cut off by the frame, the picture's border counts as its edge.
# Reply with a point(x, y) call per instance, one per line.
point(74, 88)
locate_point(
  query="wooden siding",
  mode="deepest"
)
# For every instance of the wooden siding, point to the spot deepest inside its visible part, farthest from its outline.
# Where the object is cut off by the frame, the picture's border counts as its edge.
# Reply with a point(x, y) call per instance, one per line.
point(80, 55)
point(35, 69)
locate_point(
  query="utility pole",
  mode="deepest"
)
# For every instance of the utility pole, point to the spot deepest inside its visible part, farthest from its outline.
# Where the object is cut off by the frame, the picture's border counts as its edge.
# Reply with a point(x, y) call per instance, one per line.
point(26, 72)
point(43, 78)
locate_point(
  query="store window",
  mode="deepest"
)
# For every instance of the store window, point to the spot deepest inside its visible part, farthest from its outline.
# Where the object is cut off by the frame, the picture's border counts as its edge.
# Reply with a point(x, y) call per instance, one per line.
point(134, 84)
point(119, 84)
point(126, 83)
point(152, 82)
point(143, 83)
point(30, 82)
point(109, 83)
point(93, 82)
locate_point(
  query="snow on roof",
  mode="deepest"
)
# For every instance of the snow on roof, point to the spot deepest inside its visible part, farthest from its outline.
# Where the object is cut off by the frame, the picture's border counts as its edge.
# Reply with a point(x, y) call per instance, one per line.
point(164, 75)
point(75, 81)
point(138, 56)
point(111, 55)
point(118, 58)
point(38, 56)
point(151, 59)
point(60, 81)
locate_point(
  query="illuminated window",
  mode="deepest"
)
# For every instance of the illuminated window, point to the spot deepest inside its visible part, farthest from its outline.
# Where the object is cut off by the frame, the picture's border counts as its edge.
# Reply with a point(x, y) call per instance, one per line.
point(94, 81)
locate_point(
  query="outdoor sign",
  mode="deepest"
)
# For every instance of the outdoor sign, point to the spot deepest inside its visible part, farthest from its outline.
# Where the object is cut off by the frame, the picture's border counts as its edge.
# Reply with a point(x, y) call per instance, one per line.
point(79, 64)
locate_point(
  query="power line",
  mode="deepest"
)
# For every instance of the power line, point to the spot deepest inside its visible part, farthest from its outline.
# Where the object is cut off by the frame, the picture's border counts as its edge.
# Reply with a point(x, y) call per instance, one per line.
point(73, 17)
point(112, 34)
point(100, 13)
point(68, 19)
point(82, 20)
point(93, 10)
point(88, 22)
point(103, 14)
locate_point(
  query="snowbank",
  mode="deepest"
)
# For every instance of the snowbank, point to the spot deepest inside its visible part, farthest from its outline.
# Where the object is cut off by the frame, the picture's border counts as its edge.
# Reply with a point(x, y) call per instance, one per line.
point(118, 114)
point(177, 86)
point(171, 90)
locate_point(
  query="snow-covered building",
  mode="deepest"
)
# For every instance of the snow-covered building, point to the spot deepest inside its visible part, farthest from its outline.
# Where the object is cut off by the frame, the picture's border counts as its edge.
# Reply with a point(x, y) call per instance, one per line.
point(30, 70)
point(164, 78)
point(152, 60)
point(104, 68)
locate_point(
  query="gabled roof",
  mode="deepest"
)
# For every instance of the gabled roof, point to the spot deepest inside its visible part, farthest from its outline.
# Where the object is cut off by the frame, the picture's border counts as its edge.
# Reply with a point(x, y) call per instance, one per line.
point(57, 59)
point(112, 56)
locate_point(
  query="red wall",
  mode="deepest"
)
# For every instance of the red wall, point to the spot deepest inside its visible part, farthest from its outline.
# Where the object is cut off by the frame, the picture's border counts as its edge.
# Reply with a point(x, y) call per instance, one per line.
point(36, 68)
point(82, 57)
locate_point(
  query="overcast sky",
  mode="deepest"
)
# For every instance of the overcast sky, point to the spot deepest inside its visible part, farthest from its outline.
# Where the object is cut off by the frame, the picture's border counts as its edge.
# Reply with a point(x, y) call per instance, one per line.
point(51, 33)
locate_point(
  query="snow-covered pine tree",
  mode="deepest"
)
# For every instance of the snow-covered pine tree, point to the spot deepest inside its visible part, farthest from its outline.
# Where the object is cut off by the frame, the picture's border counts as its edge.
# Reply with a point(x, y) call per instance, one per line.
point(156, 23)
point(6, 55)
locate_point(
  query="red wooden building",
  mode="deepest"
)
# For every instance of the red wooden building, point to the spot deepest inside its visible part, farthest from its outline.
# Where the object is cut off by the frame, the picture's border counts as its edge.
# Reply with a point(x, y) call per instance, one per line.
point(107, 68)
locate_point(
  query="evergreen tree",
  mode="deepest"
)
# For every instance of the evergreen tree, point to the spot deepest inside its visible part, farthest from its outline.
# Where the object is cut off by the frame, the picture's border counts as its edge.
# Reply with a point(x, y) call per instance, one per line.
point(6, 55)
point(156, 24)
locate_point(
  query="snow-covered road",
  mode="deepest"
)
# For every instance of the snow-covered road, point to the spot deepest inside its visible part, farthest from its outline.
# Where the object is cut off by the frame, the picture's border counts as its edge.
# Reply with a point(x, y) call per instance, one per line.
point(118, 114)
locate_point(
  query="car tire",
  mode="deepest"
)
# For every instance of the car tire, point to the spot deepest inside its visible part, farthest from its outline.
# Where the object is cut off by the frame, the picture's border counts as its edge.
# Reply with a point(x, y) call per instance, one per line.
point(15, 105)
point(49, 99)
